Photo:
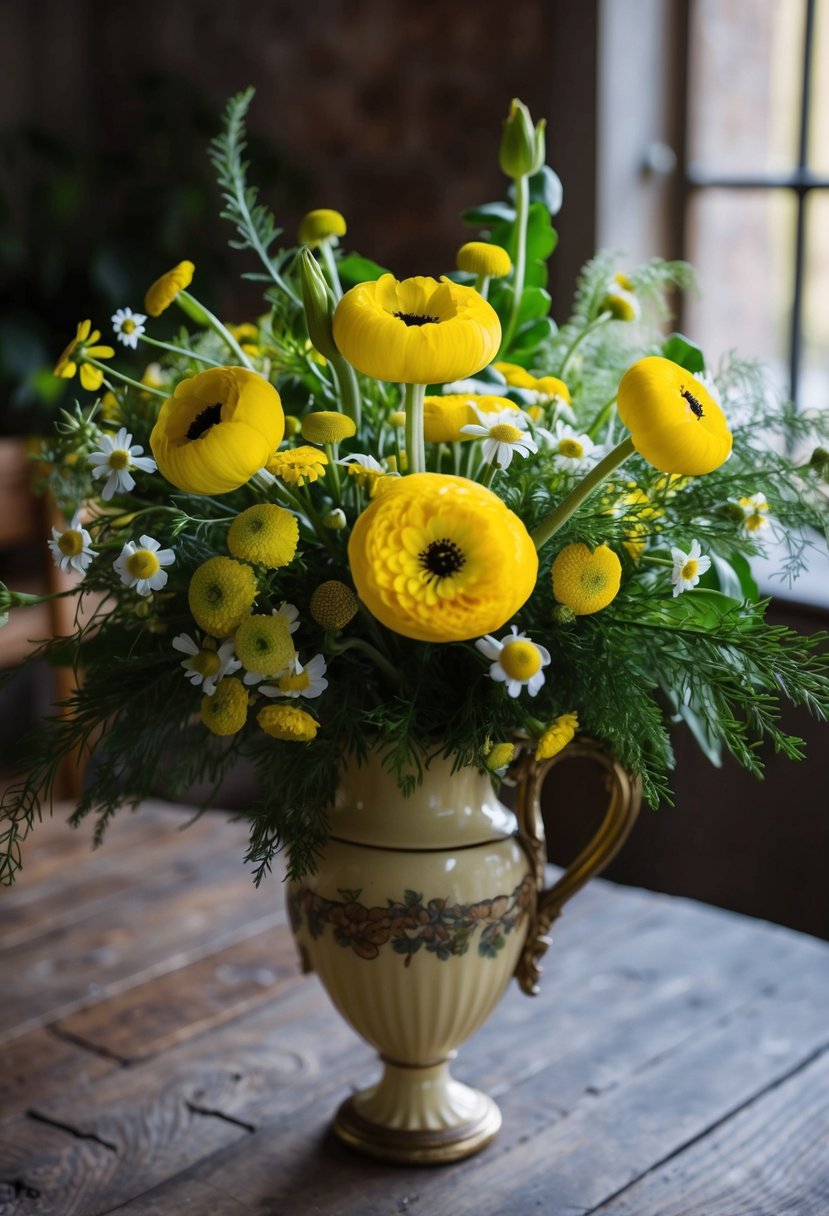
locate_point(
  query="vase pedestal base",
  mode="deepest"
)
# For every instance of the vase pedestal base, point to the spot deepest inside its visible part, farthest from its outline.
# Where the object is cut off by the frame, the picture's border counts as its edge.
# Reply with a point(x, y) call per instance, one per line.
point(418, 1116)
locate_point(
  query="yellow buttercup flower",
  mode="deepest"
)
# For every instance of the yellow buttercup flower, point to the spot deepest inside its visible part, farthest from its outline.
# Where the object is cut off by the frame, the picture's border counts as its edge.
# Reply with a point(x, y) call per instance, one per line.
point(674, 421)
point(221, 594)
point(163, 291)
point(320, 225)
point(298, 465)
point(266, 534)
point(556, 737)
point(333, 605)
point(217, 430)
point(586, 582)
point(485, 259)
point(226, 711)
point(83, 345)
point(441, 558)
point(263, 644)
point(327, 426)
point(417, 331)
point(286, 722)
point(443, 417)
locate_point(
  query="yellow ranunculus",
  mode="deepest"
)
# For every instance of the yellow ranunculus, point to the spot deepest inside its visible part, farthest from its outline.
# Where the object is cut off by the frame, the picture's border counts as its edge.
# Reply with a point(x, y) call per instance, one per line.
point(441, 559)
point(417, 331)
point(217, 430)
point(164, 290)
point(443, 417)
point(320, 225)
point(484, 258)
point(674, 422)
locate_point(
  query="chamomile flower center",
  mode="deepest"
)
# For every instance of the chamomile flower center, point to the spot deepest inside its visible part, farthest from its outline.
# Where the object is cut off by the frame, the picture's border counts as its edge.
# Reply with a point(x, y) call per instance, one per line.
point(505, 432)
point(128, 326)
point(297, 682)
point(690, 568)
point(571, 448)
point(143, 563)
point(70, 542)
point(520, 660)
point(441, 558)
point(206, 663)
point(119, 459)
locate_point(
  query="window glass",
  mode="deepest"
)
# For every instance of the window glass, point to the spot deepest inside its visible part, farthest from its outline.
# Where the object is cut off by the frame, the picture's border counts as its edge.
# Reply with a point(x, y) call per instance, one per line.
point(814, 387)
point(819, 118)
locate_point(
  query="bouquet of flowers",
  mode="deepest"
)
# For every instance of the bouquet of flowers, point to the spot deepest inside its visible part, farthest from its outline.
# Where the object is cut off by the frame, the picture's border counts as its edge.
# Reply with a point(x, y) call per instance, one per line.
point(415, 515)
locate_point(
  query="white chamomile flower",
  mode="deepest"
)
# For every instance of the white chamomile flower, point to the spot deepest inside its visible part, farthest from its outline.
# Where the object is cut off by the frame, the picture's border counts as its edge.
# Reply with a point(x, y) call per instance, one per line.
point(290, 613)
point(370, 463)
point(71, 549)
point(206, 665)
point(115, 457)
point(571, 452)
point(688, 567)
point(504, 434)
point(140, 565)
point(308, 681)
point(755, 512)
point(128, 326)
point(516, 661)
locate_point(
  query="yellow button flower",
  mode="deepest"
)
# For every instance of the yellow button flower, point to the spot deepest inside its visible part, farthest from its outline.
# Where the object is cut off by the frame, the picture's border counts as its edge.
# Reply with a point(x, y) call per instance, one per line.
point(82, 346)
point(444, 417)
point(264, 646)
point(163, 291)
point(417, 331)
point(586, 582)
point(226, 711)
point(674, 421)
point(333, 605)
point(320, 225)
point(441, 558)
point(298, 465)
point(266, 534)
point(217, 430)
point(484, 258)
point(286, 722)
point(327, 426)
point(221, 594)
point(556, 737)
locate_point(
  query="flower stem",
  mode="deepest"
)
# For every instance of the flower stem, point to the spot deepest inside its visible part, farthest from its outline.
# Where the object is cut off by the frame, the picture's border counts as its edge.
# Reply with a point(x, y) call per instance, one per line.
point(197, 312)
point(601, 418)
point(110, 371)
point(373, 653)
point(179, 350)
point(482, 285)
point(331, 272)
point(579, 338)
point(348, 388)
point(522, 206)
point(331, 451)
point(489, 473)
point(413, 395)
point(556, 519)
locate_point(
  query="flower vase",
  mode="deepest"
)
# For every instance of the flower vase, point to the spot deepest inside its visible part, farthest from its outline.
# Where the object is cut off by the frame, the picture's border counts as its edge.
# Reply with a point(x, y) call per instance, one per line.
point(420, 911)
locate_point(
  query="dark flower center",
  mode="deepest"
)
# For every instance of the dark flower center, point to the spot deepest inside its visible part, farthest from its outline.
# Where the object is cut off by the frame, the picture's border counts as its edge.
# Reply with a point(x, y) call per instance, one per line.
point(202, 423)
point(413, 318)
point(696, 408)
point(441, 558)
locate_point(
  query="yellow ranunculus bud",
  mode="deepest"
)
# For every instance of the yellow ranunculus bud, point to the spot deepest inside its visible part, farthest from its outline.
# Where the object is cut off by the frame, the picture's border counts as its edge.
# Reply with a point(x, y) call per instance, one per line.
point(286, 722)
point(444, 416)
point(484, 258)
point(674, 422)
point(515, 375)
point(417, 331)
point(318, 304)
point(163, 291)
point(327, 426)
point(320, 225)
point(499, 756)
point(557, 736)
point(523, 147)
point(217, 430)
point(333, 605)
point(441, 558)
point(586, 582)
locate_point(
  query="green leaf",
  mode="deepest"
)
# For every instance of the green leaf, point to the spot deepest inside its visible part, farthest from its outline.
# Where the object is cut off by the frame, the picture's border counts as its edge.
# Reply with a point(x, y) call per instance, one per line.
point(699, 727)
point(697, 611)
point(684, 352)
point(535, 303)
point(742, 569)
point(487, 213)
point(354, 268)
point(527, 340)
point(541, 235)
point(546, 188)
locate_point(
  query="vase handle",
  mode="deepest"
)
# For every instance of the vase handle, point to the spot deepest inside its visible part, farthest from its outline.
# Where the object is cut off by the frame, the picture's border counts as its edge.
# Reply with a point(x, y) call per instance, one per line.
point(623, 806)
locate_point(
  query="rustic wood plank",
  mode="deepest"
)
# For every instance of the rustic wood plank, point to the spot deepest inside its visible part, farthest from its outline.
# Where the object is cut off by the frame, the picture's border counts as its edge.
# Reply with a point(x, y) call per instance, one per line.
point(40, 1065)
point(769, 1159)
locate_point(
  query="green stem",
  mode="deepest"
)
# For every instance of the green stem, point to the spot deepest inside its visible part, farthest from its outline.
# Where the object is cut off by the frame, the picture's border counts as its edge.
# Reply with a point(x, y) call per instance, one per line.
point(556, 519)
point(331, 272)
point(331, 451)
point(22, 599)
point(482, 285)
point(349, 389)
point(110, 371)
point(179, 350)
point(456, 457)
point(657, 561)
point(579, 338)
point(522, 206)
point(601, 418)
point(489, 473)
point(373, 653)
point(197, 312)
point(413, 395)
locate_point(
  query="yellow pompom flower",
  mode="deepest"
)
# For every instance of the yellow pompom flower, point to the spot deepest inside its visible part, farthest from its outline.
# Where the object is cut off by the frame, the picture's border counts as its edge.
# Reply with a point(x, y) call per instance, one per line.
point(217, 430)
point(263, 644)
point(221, 594)
point(441, 558)
point(499, 755)
point(556, 737)
point(298, 465)
point(266, 534)
point(83, 345)
point(226, 711)
point(674, 421)
point(444, 417)
point(485, 259)
point(586, 582)
point(327, 426)
point(333, 605)
point(163, 291)
point(320, 225)
point(287, 722)
point(416, 331)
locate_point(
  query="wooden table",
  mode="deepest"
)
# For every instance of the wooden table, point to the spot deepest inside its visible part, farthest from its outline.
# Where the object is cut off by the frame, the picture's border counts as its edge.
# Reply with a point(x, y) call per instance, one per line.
point(163, 1055)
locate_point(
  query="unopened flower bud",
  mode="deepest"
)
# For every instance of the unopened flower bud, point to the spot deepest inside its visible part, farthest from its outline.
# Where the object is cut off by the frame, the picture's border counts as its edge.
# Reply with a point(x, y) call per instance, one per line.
point(499, 756)
point(562, 615)
point(292, 426)
point(335, 520)
point(522, 149)
point(318, 304)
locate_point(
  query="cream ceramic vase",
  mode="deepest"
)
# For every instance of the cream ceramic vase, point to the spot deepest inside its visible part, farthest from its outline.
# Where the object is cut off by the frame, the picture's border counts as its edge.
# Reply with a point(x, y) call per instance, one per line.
point(421, 910)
